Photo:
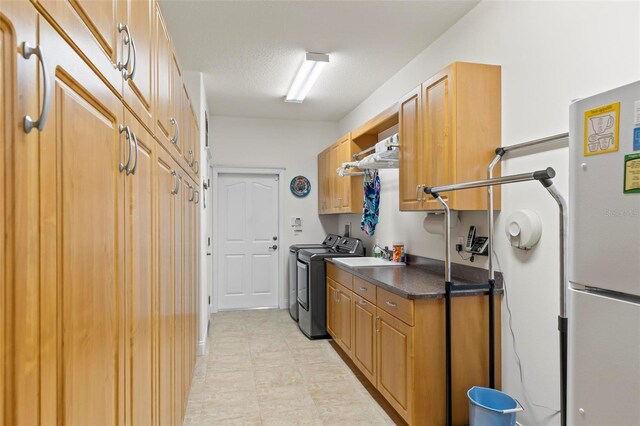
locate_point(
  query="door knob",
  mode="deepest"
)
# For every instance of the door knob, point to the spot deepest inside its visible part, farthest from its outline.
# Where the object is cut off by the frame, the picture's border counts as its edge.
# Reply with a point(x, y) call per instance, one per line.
point(273, 247)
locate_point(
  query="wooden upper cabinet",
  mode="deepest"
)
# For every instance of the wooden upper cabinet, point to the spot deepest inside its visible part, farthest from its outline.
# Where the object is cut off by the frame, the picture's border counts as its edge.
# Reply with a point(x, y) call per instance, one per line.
point(323, 182)
point(82, 216)
point(340, 194)
point(138, 88)
point(448, 134)
point(412, 166)
point(93, 30)
point(177, 106)
point(165, 129)
point(343, 187)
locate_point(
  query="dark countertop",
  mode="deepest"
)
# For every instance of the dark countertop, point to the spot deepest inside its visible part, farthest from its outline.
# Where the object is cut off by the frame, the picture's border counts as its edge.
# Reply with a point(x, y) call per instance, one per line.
point(421, 278)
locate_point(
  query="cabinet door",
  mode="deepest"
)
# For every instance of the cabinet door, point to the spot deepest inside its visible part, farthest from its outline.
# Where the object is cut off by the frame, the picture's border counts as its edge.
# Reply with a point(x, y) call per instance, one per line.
point(177, 105)
point(178, 263)
point(439, 132)
point(19, 189)
point(364, 337)
point(138, 89)
point(322, 182)
point(140, 290)
point(187, 123)
point(92, 28)
point(412, 156)
point(395, 354)
point(167, 186)
point(189, 197)
point(334, 189)
point(82, 207)
point(332, 312)
point(196, 144)
point(343, 183)
point(345, 301)
point(165, 129)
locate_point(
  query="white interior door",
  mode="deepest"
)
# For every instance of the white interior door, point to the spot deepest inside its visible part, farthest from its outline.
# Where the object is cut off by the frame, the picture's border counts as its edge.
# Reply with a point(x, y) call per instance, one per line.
point(248, 273)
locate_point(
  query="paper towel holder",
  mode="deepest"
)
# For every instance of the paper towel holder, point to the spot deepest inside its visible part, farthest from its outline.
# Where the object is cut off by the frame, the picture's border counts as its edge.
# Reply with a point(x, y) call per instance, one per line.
point(433, 222)
point(523, 229)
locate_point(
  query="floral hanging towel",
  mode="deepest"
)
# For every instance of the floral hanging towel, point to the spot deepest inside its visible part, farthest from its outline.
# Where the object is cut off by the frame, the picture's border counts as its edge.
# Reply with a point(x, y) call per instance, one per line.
point(371, 202)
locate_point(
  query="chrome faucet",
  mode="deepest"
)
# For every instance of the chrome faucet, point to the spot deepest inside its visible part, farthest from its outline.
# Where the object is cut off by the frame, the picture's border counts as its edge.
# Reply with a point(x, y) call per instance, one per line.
point(386, 253)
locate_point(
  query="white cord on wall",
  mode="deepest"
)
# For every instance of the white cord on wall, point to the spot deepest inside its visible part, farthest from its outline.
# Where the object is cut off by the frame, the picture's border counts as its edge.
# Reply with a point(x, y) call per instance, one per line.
point(513, 338)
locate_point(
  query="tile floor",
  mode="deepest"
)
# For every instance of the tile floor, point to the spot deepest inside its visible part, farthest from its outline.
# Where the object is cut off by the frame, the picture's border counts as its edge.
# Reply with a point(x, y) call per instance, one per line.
point(260, 370)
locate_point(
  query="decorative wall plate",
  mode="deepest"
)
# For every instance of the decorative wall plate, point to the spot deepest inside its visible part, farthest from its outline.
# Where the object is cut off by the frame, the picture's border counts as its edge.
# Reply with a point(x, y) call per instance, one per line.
point(300, 186)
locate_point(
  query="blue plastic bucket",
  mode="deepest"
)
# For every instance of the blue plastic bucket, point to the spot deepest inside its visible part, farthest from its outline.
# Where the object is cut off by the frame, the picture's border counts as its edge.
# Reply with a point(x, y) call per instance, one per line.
point(490, 407)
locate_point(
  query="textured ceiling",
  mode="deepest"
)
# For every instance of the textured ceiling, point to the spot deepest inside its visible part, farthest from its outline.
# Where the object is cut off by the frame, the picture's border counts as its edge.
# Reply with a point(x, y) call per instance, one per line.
point(249, 51)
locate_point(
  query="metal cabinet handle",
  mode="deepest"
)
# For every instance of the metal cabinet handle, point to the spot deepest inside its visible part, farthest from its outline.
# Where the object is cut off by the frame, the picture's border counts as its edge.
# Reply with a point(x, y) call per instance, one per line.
point(122, 128)
point(362, 288)
point(129, 76)
point(176, 187)
point(193, 158)
point(135, 164)
point(197, 170)
point(392, 304)
point(28, 123)
point(176, 135)
point(193, 193)
point(377, 322)
point(127, 41)
point(362, 302)
point(197, 197)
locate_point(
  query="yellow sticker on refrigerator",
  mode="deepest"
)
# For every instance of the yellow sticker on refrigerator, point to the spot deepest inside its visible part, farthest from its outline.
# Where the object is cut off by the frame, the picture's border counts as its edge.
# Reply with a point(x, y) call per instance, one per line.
point(601, 129)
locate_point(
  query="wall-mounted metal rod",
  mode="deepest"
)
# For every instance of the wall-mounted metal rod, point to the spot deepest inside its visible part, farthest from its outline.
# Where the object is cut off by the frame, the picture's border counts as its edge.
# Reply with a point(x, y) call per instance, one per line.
point(500, 152)
point(540, 175)
point(535, 142)
point(364, 151)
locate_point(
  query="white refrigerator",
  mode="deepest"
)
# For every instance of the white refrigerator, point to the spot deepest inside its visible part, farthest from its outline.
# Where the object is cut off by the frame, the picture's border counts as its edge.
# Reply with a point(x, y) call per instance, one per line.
point(604, 259)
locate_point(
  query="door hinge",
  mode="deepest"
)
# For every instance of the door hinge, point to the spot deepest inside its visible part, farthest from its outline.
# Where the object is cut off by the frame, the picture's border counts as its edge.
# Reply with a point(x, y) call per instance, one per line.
point(209, 299)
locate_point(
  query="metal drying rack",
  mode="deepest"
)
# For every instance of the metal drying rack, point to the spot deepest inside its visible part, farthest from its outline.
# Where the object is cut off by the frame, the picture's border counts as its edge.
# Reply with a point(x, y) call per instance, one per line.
point(545, 177)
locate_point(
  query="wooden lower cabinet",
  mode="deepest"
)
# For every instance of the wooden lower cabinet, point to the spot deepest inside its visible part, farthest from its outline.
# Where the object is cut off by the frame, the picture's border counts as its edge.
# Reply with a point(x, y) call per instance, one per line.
point(400, 346)
point(344, 309)
point(140, 290)
point(394, 375)
point(167, 185)
point(365, 337)
point(19, 227)
point(332, 315)
point(82, 205)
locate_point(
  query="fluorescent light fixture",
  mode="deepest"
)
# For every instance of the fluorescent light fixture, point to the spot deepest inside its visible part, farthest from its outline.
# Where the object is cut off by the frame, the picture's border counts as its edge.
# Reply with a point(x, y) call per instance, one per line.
point(306, 77)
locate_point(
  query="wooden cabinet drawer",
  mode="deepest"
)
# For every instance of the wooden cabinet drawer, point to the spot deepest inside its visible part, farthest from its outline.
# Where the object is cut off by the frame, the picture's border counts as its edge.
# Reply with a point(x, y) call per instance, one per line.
point(364, 289)
point(340, 276)
point(397, 306)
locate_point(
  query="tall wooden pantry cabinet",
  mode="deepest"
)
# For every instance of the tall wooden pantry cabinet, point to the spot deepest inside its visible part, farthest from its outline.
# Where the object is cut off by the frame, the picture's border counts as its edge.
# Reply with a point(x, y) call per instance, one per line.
point(99, 283)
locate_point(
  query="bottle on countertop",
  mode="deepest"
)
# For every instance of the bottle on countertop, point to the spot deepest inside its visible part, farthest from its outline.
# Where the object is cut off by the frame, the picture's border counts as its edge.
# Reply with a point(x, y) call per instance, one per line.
point(398, 252)
point(377, 253)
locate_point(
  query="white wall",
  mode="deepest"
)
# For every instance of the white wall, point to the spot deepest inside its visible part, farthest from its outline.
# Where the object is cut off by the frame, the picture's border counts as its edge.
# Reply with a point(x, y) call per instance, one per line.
point(290, 145)
point(551, 53)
